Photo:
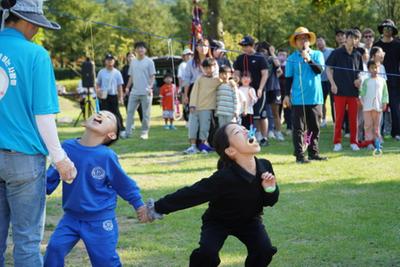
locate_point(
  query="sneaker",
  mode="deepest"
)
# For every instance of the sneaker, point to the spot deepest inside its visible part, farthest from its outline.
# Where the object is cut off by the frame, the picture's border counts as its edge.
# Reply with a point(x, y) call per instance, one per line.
point(271, 135)
point(203, 151)
point(337, 147)
point(354, 147)
point(144, 136)
point(317, 158)
point(264, 142)
point(397, 137)
point(302, 160)
point(172, 127)
point(205, 147)
point(289, 132)
point(166, 127)
point(370, 147)
point(323, 124)
point(191, 150)
point(279, 136)
point(124, 135)
point(347, 135)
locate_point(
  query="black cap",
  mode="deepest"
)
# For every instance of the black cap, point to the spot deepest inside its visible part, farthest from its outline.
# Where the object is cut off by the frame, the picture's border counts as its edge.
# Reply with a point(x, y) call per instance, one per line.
point(109, 56)
point(388, 23)
point(247, 40)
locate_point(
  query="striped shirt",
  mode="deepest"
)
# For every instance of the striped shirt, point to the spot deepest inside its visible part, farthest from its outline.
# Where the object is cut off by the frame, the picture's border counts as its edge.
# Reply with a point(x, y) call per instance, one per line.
point(226, 100)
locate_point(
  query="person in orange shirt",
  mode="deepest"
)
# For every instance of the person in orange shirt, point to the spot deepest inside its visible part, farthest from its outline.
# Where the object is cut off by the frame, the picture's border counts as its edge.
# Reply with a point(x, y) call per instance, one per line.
point(167, 94)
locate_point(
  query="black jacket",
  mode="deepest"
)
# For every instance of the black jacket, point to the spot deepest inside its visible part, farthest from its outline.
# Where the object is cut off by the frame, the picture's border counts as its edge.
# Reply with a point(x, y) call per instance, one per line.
point(234, 195)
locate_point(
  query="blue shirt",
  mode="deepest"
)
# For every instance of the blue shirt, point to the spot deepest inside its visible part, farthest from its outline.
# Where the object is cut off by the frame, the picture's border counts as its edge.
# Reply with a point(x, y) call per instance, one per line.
point(27, 88)
point(327, 52)
point(109, 80)
point(310, 92)
point(93, 194)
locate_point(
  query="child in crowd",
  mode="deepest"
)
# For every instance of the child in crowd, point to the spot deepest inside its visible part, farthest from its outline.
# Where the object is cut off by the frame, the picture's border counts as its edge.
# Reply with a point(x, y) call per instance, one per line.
point(89, 202)
point(237, 193)
point(202, 103)
point(167, 94)
point(251, 99)
point(378, 55)
point(374, 98)
point(227, 98)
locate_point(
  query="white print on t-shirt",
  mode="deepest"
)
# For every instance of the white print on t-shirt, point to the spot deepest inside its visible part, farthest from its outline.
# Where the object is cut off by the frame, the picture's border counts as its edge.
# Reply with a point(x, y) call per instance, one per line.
point(108, 225)
point(4, 82)
point(98, 173)
point(8, 68)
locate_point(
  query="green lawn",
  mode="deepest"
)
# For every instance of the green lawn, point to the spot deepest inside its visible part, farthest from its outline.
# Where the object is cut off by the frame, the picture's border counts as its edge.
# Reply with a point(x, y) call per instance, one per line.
point(344, 212)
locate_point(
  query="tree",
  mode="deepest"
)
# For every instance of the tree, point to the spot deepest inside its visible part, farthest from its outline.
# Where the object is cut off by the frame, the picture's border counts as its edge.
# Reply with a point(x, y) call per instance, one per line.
point(214, 22)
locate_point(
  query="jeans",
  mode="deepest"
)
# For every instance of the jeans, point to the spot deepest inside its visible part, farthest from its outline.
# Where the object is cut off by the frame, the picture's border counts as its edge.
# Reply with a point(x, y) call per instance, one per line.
point(22, 203)
point(134, 101)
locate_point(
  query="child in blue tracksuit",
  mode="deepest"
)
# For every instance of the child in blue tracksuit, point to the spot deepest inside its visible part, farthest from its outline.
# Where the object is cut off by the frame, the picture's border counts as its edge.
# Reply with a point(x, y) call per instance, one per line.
point(89, 202)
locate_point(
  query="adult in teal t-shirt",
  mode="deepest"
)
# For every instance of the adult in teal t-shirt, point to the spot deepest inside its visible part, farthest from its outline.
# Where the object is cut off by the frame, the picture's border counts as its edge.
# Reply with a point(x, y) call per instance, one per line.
point(304, 93)
point(28, 102)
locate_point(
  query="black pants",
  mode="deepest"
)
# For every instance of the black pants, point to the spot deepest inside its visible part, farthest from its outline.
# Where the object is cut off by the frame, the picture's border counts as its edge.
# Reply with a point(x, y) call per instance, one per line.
point(214, 234)
point(111, 104)
point(394, 103)
point(310, 121)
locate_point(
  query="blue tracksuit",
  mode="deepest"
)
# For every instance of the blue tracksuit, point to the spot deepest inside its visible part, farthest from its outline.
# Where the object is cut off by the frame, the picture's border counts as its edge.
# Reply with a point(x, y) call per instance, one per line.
point(89, 204)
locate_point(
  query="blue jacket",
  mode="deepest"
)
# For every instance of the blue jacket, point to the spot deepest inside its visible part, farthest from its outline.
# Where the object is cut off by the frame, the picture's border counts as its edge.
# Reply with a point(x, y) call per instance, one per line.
point(93, 194)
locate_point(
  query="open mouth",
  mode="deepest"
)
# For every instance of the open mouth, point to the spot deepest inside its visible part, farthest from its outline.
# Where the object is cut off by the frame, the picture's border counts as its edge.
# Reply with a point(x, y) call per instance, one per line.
point(251, 140)
point(98, 121)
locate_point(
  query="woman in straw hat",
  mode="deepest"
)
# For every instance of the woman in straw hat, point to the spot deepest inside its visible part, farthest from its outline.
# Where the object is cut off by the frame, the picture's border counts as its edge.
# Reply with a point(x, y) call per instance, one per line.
point(304, 94)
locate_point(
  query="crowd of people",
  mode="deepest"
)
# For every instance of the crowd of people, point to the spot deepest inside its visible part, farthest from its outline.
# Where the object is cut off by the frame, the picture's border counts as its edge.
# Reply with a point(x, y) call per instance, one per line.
point(362, 79)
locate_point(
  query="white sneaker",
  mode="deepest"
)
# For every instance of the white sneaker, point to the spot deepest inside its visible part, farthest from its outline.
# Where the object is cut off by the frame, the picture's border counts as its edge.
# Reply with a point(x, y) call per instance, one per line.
point(323, 124)
point(397, 137)
point(347, 135)
point(144, 136)
point(279, 136)
point(124, 135)
point(191, 150)
point(271, 135)
point(370, 147)
point(337, 147)
point(354, 147)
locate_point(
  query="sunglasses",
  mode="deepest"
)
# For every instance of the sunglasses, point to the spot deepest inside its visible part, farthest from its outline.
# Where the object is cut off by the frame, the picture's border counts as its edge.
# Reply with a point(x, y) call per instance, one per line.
point(387, 28)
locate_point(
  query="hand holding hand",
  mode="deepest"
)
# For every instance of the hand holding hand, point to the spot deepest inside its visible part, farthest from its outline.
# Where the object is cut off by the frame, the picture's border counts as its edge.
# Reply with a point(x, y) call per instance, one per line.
point(66, 169)
point(259, 93)
point(142, 214)
point(286, 102)
point(357, 83)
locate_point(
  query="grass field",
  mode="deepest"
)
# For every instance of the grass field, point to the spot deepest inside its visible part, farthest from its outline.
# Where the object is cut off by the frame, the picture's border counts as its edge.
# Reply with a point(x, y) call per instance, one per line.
point(344, 212)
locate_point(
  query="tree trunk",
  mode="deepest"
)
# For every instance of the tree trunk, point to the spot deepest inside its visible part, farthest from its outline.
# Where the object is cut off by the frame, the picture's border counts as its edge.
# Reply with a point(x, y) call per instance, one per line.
point(214, 23)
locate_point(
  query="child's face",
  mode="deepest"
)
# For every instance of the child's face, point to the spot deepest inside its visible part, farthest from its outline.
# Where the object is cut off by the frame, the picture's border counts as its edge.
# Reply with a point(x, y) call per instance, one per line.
point(208, 71)
point(373, 69)
point(246, 80)
point(379, 56)
point(238, 140)
point(168, 80)
point(104, 124)
point(224, 76)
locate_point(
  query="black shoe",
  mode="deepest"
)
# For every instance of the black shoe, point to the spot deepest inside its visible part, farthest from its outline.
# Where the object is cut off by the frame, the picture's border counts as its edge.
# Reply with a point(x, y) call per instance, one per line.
point(317, 157)
point(264, 142)
point(302, 160)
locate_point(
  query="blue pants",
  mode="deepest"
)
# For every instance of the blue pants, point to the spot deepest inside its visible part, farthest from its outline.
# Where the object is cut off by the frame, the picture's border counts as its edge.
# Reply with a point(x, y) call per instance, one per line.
point(100, 239)
point(22, 204)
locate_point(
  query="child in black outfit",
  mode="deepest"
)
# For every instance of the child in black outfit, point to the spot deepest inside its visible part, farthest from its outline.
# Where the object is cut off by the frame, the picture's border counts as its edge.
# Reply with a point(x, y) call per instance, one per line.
point(237, 193)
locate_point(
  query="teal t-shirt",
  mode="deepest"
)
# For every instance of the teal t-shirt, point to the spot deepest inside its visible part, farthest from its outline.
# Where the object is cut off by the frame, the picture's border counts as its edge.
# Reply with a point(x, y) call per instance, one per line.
point(310, 93)
point(27, 88)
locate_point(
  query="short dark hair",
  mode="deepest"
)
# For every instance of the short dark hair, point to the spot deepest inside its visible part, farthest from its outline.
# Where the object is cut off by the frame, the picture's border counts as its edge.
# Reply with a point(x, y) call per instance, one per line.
point(373, 51)
point(371, 63)
point(353, 33)
point(118, 131)
point(140, 44)
point(225, 69)
point(168, 74)
point(208, 62)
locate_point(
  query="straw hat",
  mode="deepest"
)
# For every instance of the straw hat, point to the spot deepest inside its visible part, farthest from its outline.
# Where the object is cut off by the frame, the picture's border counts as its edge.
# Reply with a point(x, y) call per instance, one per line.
point(302, 31)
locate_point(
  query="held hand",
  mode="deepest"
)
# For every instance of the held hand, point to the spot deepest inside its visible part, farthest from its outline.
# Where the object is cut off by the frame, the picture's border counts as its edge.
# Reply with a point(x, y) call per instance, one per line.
point(192, 109)
point(384, 107)
point(357, 83)
point(142, 214)
point(286, 102)
point(66, 169)
point(126, 92)
point(334, 89)
point(268, 180)
point(185, 100)
point(259, 93)
point(121, 101)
